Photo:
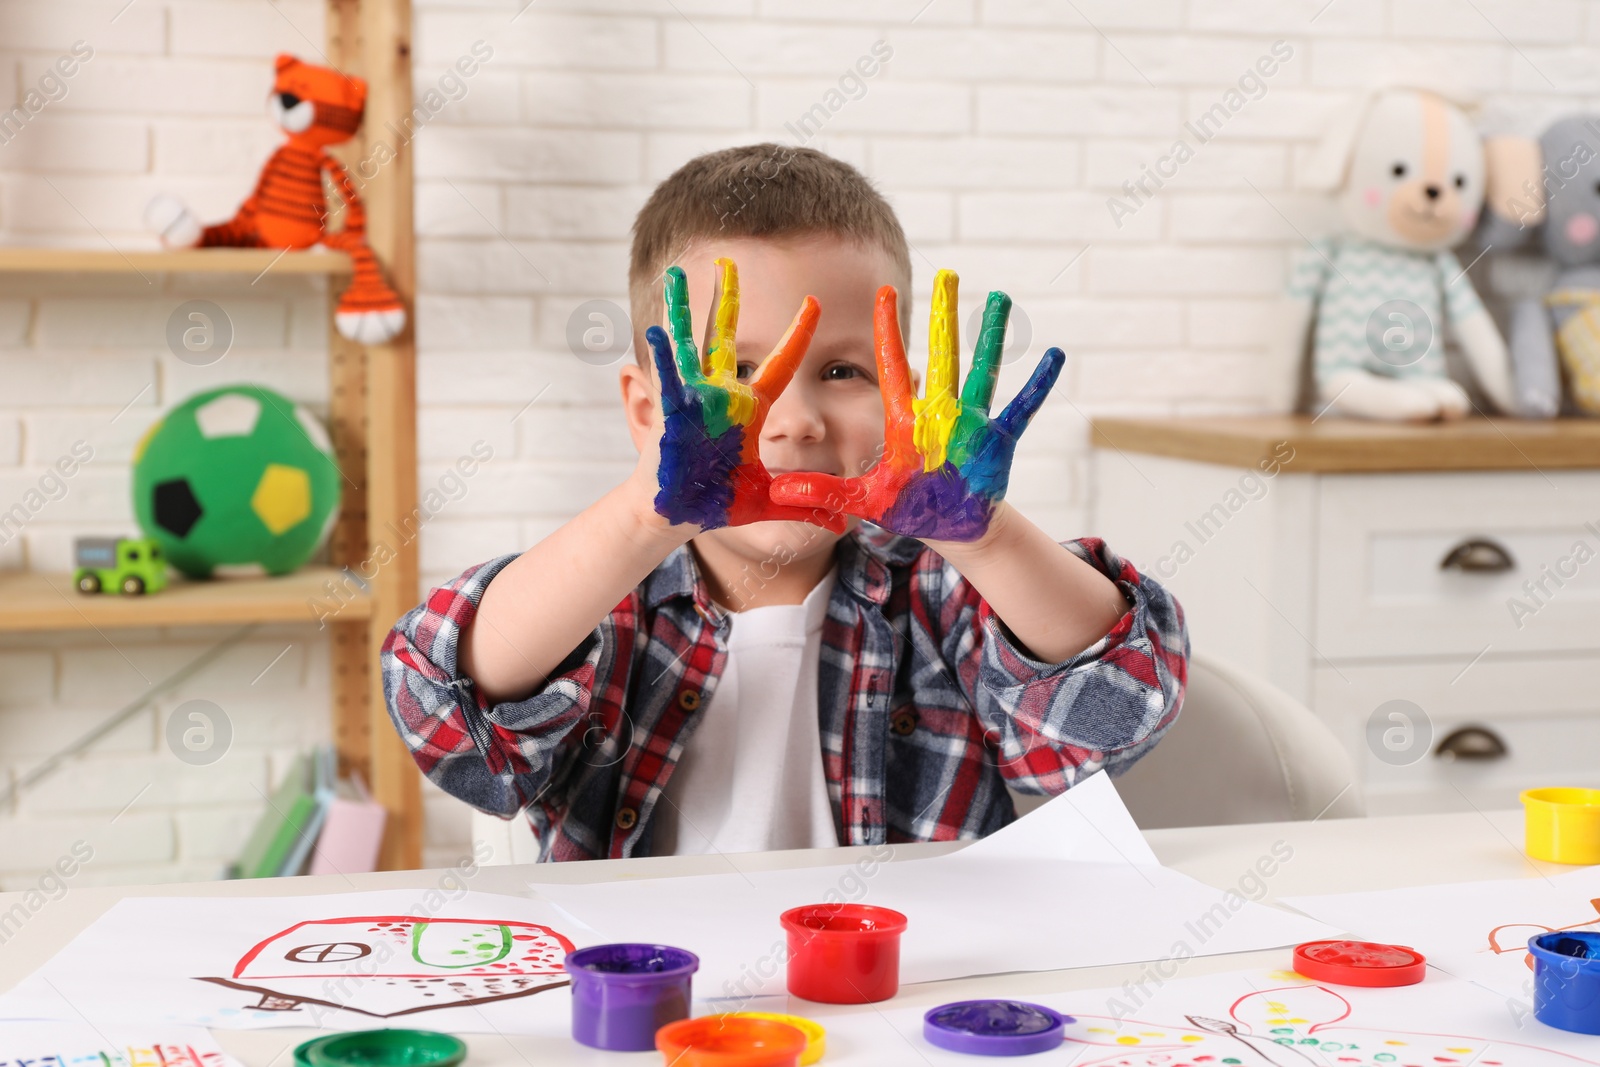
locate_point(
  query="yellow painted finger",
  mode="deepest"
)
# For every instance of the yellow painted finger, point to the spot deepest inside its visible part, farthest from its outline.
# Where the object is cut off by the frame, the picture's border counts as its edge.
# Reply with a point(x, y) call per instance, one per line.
point(944, 341)
point(722, 359)
point(938, 409)
point(721, 354)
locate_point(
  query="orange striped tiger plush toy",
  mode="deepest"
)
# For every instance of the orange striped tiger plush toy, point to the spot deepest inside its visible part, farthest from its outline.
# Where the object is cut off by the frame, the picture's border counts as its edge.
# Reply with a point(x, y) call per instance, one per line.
point(316, 107)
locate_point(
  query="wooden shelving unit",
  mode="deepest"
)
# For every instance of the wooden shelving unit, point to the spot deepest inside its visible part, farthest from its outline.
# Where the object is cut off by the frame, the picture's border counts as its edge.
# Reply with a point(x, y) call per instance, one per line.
point(251, 261)
point(371, 419)
point(35, 601)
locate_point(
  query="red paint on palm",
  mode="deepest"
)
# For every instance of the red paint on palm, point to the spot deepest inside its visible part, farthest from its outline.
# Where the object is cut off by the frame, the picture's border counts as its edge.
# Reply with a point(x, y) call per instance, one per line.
point(871, 495)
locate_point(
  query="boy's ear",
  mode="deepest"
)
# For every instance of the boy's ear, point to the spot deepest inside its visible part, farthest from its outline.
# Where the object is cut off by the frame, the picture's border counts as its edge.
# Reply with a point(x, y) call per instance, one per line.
point(640, 403)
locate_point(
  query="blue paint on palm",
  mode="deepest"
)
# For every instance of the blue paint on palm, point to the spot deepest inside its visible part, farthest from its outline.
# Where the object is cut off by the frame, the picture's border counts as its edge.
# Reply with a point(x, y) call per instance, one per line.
point(955, 503)
point(988, 471)
point(937, 504)
point(696, 470)
point(696, 474)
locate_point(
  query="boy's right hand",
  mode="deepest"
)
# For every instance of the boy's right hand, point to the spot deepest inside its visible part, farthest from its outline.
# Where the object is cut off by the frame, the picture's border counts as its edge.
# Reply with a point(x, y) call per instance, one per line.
point(710, 471)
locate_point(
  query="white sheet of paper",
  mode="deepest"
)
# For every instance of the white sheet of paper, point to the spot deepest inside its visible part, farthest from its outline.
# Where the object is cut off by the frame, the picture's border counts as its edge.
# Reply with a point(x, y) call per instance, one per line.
point(1088, 823)
point(457, 961)
point(1256, 1018)
point(1475, 931)
point(58, 1044)
point(1072, 884)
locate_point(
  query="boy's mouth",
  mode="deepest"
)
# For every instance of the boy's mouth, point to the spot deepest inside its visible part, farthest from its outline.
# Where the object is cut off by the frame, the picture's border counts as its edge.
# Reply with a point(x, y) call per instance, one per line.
point(776, 471)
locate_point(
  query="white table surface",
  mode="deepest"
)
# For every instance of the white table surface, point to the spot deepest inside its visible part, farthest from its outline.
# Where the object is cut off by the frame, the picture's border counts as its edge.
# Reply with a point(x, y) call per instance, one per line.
point(1330, 856)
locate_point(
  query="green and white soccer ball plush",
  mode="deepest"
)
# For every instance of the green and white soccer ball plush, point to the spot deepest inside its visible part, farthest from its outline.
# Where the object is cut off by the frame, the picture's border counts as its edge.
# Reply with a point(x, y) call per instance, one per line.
point(238, 480)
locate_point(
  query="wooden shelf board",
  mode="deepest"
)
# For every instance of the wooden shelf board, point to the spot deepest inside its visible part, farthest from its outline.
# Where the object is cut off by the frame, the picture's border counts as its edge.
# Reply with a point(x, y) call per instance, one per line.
point(1335, 445)
point(190, 260)
point(32, 601)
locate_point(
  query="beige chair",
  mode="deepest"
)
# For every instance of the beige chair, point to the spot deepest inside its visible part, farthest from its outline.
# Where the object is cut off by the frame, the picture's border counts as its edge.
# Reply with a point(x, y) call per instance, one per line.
point(503, 840)
point(1242, 751)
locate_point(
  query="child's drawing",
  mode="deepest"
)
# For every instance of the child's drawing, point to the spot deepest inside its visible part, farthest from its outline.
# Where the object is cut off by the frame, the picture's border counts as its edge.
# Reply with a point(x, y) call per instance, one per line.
point(1292, 1026)
point(1513, 937)
point(40, 1043)
point(391, 965)
point(107, 1055)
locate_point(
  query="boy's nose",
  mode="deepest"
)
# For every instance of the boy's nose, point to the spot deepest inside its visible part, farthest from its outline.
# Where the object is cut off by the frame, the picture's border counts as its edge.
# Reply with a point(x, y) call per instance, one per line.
point(793, 417)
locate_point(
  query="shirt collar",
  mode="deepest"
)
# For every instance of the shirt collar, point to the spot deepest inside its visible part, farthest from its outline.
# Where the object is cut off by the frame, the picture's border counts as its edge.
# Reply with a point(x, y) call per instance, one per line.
point(865, 558)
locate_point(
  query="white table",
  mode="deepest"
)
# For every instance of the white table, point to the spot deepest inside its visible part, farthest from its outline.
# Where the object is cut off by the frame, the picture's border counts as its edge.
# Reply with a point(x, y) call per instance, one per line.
point(1330, 856)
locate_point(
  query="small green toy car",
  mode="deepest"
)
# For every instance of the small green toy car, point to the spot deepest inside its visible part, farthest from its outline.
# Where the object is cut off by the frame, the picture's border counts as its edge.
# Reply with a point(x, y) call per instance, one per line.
point(129, 565)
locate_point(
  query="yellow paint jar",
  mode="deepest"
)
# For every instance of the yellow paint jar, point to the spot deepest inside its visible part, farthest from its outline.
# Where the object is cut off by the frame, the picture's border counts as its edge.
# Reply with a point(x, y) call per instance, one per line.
point(1563, 825)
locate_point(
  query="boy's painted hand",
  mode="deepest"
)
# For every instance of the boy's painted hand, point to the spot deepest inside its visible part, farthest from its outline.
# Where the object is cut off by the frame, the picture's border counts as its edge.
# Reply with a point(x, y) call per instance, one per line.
point(711, 474)
point(945, 463)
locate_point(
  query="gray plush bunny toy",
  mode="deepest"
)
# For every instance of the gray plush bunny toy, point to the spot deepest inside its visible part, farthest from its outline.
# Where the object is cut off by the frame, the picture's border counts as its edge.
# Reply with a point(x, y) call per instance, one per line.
point(1556, 205)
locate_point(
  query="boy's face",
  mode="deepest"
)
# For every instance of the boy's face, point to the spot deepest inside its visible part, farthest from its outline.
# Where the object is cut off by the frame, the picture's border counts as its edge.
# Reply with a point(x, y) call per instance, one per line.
point(830, 417)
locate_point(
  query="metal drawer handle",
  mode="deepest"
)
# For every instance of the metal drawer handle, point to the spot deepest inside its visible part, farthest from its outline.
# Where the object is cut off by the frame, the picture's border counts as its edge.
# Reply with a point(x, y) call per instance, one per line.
point(1471, 743)
point(1478, 555)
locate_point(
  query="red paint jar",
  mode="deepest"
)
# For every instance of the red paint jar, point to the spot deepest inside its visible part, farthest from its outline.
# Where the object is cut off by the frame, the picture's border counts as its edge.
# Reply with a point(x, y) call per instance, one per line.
point(843, 953)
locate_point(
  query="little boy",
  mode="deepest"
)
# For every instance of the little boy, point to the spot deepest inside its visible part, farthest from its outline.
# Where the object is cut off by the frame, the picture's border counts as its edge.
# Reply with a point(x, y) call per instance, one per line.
point(716, 660)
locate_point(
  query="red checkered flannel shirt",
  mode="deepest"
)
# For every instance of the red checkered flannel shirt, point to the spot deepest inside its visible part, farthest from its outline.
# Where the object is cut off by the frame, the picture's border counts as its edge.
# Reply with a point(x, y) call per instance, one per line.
point(928, 708)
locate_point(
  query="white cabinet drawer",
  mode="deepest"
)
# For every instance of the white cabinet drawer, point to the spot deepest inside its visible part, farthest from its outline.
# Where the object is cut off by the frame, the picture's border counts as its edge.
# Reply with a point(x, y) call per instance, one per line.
point(1545, 709)
point(1380, 589)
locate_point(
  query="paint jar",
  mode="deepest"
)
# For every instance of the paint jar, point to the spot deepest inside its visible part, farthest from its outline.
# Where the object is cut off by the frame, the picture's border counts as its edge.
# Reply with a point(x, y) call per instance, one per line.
point(994, 1027)
point(816, 1036)
point(731, 1041)
point(1562, 825)
point(622, 994)
point(384, 1048)
point(843, 953)
point(1566, 980)
point(1360, 963)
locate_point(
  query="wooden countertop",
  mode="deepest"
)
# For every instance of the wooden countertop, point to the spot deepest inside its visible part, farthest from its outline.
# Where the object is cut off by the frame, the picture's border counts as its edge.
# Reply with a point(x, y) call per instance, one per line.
point(1335, 445)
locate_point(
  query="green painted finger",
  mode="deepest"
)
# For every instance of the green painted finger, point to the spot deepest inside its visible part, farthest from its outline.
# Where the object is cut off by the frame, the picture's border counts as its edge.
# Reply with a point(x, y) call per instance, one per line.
point(682, 327)
point(978, 392)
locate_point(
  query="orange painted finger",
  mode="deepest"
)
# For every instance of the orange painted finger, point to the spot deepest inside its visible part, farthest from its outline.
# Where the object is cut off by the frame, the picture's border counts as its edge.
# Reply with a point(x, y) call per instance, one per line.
point(777, 370)
point(894, 373)
point(809, 489)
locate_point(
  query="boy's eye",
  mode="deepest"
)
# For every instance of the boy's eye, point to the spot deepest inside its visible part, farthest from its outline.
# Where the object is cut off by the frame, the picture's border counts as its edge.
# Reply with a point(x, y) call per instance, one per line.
point(839, 372)
point(745, 371)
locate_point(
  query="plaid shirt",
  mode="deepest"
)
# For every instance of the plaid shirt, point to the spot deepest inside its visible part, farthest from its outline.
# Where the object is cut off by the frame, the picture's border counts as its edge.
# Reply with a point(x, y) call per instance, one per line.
point(928, 709)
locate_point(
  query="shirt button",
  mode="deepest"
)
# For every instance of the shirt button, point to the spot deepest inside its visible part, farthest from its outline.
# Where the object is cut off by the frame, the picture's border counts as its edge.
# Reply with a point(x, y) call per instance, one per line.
point(626, 818)
point(903, 723)
point(688, 700)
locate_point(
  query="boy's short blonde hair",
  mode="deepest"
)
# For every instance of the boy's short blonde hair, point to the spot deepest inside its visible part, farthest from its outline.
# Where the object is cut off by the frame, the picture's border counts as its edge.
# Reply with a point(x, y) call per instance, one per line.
point(759, 190)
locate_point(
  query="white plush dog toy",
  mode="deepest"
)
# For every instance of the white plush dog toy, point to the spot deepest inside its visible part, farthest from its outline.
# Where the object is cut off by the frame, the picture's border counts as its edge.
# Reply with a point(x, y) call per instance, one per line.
point(1407, 169)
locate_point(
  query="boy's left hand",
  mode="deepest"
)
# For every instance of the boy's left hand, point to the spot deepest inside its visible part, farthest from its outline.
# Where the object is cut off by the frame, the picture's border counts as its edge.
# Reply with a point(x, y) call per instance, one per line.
point(945, 463)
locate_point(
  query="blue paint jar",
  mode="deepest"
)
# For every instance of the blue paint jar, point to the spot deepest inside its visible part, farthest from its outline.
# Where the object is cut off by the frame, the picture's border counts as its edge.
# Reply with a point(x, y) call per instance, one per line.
point(1566, 980)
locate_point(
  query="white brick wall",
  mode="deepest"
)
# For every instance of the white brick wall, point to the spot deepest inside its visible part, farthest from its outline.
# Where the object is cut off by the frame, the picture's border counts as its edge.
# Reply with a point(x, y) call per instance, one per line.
point(171, 99)
point(999, 129)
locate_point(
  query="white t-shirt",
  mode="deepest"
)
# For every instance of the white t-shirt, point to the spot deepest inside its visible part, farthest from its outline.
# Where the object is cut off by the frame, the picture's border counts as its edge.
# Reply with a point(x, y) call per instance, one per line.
point(751, 778)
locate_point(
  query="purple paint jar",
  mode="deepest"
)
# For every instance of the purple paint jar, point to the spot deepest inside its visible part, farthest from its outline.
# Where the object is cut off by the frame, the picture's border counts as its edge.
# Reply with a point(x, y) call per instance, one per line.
point(994, 1027)
point(622, 994)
